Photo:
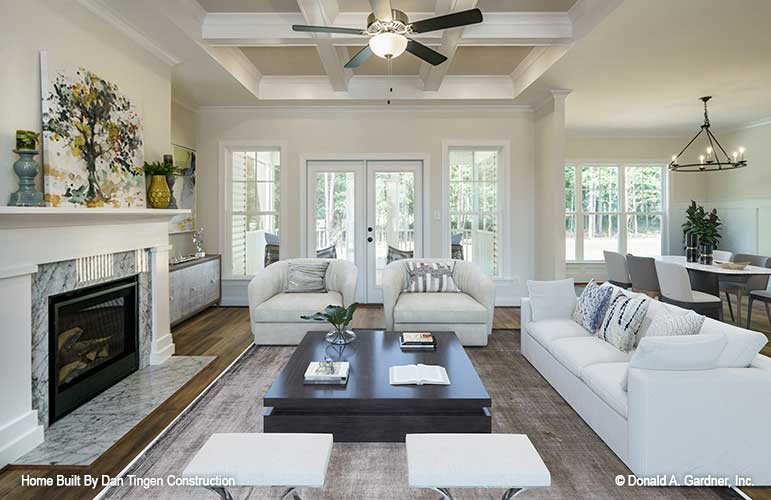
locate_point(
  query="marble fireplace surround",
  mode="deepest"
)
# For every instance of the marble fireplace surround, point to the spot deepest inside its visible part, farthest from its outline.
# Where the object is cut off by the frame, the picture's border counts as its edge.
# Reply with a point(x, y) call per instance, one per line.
point(39, 248)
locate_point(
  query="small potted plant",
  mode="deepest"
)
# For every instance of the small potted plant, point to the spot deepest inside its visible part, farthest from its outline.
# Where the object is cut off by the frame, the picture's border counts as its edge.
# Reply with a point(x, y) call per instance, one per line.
point(339, 317)
point(158, 194)
point(704, 226)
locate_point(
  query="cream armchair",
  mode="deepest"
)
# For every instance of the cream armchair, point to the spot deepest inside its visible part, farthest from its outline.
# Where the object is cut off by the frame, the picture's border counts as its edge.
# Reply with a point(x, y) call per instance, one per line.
point(468, 313)
point(275, 315)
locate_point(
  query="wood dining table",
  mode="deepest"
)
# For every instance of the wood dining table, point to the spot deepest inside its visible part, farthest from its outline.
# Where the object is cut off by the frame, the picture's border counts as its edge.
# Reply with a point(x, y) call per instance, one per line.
point(706, 277)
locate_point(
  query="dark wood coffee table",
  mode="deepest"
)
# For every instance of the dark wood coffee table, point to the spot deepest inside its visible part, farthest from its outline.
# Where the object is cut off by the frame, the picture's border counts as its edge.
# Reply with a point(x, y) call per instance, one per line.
point(368, 408)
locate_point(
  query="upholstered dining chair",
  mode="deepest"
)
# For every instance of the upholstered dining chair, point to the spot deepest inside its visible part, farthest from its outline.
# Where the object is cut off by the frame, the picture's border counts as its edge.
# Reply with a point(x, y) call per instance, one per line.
point(644, 277)
point(742, 286)
point(676, 289)
point(721, 256)
point(618, 269)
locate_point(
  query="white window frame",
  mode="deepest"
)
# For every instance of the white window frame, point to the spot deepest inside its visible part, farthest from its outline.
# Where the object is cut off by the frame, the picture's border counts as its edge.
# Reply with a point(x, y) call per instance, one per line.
point(504, 172)
point(226, 148)
point(621, 213)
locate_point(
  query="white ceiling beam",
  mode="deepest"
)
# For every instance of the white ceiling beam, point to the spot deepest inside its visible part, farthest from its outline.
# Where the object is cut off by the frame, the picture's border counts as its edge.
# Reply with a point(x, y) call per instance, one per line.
point(275, 29)
point(432, 76)
point(320, 13)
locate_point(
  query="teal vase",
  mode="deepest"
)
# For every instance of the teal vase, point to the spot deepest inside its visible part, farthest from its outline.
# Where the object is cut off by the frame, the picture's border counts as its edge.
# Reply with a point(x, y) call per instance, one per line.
point(26, 169)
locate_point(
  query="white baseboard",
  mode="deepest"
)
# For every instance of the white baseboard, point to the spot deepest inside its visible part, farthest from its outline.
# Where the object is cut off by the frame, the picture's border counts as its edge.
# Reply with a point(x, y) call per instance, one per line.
point(19, 437)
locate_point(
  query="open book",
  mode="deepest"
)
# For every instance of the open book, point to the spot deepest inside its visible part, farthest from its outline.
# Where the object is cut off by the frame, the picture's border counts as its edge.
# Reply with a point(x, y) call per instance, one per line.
point(418, 375)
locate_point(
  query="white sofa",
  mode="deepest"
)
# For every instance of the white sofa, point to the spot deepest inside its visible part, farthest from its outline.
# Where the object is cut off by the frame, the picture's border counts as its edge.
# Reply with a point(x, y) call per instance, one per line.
point(275, 315)
point(468, 313)
point(681, 422)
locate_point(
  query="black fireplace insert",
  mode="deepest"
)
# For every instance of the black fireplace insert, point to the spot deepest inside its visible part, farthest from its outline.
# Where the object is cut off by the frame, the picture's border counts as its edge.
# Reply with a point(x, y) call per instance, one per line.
point(93, 342)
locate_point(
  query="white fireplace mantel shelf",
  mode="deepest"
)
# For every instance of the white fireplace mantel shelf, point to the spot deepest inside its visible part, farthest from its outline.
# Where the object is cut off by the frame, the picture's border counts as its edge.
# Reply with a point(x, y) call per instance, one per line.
point(28, 217)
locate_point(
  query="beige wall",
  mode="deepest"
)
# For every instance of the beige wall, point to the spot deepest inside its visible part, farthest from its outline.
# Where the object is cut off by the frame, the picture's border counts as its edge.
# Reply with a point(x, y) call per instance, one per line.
point(348, 132)
point(182, 126)
point(73, 37)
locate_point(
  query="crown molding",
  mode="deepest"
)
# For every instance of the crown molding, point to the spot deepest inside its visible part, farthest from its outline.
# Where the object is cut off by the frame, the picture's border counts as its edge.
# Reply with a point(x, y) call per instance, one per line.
point(193, 108)
point(104, 11)
point(379, 109)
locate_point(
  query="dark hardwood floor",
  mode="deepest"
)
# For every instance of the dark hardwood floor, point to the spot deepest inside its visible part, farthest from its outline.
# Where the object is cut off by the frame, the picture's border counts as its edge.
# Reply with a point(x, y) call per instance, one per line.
point(222, 332)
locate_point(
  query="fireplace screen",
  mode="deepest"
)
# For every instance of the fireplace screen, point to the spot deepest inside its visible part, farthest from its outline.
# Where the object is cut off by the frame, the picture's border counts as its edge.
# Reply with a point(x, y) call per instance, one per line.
point(93, 342)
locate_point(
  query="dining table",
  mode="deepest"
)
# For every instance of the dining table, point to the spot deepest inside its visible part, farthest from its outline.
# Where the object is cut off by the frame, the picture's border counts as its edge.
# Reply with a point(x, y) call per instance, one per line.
point(706, 277)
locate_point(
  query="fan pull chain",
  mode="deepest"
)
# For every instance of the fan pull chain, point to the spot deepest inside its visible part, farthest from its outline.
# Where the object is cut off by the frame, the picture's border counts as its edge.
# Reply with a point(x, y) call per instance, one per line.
point(390, 74)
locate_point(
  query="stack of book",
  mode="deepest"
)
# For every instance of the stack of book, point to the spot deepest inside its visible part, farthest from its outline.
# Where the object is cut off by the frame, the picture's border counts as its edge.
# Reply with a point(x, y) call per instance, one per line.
point(417, 341)
point(326, 372)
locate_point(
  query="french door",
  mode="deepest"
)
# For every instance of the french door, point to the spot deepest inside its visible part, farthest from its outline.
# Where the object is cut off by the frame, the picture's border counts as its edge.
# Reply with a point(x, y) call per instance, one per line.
point(358, 209)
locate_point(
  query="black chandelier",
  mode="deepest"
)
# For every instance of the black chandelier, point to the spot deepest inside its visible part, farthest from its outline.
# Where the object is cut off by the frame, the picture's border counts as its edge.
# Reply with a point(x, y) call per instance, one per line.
point(711, 161)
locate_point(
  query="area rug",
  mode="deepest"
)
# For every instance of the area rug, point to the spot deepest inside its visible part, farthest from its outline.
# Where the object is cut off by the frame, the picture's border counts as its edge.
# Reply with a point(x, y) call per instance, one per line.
point(581, 465)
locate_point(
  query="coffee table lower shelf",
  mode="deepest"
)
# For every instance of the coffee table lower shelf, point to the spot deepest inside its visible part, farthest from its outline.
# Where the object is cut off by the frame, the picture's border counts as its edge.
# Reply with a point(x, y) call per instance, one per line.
point(372, 426)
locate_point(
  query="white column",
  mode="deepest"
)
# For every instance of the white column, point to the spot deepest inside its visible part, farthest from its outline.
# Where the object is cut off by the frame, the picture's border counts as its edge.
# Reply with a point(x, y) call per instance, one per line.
point(550, 187)
point(162, 343)
point(19, 428)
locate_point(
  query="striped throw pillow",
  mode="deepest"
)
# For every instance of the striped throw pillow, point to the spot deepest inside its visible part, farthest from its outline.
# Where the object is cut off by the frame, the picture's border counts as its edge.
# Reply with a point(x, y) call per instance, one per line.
point(623, 321)
point(430, 277)
point(307, 277)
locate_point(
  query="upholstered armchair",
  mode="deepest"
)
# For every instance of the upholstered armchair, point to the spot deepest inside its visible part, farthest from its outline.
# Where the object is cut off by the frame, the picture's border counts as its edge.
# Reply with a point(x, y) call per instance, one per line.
point(469, 313)
point(275, 314)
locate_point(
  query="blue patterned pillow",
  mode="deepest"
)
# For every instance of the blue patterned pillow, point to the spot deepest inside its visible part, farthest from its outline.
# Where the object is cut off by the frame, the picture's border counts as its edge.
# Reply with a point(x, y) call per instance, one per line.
point(623, 321)
point(591, 306)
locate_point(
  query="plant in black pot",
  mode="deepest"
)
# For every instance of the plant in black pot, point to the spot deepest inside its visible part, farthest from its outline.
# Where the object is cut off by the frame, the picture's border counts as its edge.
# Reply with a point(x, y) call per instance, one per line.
point(339, 317)
point(702, 225)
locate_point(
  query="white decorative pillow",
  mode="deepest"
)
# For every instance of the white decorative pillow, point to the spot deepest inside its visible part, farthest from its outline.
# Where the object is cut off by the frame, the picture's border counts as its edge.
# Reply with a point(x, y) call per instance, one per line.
point(430, 277)
point(552, 299)
point(591, 306)
point(623, 320)
point(668, 323)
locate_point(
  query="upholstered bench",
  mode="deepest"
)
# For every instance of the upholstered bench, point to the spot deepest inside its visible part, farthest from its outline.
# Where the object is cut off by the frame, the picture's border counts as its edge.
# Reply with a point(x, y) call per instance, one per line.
point(290, 460)
point(444, 461)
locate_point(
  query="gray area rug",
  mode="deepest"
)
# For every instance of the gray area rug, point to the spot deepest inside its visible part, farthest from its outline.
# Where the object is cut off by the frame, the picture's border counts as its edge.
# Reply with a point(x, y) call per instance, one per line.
point(581, 466)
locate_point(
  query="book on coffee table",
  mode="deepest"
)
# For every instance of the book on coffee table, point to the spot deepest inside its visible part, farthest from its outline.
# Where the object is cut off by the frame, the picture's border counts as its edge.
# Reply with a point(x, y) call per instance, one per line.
point(416, 341)
point(319, 373)
point(419, 374)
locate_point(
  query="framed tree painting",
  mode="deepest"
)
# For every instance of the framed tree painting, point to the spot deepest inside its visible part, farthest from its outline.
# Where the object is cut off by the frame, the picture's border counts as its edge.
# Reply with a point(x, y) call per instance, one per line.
point(92, 141)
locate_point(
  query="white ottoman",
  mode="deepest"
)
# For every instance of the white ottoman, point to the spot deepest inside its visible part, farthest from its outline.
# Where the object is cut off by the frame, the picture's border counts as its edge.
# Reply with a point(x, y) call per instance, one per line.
point(443, 461)
point(291, 460)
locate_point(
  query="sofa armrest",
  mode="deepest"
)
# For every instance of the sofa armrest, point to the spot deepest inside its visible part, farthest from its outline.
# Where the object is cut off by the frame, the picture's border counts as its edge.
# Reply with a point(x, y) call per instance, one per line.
point(342, 277)
point(700, 422)
point(525, 313)
point(393, 284)
point(481, 287)
point(266, 283)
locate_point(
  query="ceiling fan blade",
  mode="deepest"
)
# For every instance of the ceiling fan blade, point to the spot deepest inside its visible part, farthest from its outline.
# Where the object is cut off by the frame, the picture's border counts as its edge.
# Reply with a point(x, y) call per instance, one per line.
point(453, 20)
point(426, 53)
point(359, 58)
point(381, 9)
point(327, 29)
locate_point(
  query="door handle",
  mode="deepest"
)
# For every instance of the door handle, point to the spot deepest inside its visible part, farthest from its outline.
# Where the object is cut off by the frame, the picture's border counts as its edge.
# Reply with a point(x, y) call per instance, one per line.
point(369, 229)
point(369, 239)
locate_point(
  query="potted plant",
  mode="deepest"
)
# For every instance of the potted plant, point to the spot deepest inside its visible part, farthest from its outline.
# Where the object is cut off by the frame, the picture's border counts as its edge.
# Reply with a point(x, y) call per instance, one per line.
point(158, 194)
point(26, 169)
point(339, 317)
point(705, 226)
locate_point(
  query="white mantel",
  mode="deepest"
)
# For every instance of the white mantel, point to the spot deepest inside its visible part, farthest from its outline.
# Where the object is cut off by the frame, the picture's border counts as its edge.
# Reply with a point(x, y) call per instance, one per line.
point(33, 236)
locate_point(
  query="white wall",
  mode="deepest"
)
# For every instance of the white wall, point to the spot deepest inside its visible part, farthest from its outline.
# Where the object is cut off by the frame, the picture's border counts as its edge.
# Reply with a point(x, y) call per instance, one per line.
point(349, 132)
point(73, 37)
point(183, 125)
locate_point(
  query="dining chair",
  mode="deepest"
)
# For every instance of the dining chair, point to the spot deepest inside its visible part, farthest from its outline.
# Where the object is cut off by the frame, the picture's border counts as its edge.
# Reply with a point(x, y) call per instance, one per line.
point(741, 286)
point(721, 256)
point(618, 269)
point(643, 273)
point(763, 296)
point(676, 289)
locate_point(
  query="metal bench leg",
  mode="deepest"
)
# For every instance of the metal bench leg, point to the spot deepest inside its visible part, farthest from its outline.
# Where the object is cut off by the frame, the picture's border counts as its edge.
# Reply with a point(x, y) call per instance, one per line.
point(511, 493)
point(223, 492)
point(290, 491)
point(444, 492)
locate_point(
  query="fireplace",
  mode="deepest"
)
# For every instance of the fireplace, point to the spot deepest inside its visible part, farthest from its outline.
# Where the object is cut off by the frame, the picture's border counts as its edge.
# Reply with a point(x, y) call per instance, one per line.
point(93, 342)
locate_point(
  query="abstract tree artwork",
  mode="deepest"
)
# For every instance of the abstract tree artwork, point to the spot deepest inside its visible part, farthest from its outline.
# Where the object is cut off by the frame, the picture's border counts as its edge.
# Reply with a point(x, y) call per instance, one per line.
point(93, 147)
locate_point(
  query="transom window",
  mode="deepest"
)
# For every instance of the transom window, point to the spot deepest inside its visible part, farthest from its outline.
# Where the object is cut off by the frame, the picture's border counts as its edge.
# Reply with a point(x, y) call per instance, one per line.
point(618, 207)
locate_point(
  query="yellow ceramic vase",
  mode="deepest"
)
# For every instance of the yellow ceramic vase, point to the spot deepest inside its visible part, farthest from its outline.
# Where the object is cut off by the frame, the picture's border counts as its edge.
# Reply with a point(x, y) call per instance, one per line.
point(158, 195)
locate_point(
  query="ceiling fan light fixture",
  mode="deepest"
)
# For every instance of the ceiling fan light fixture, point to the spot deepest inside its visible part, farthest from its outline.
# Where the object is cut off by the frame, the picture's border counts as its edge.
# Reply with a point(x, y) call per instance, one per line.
point(388, 45)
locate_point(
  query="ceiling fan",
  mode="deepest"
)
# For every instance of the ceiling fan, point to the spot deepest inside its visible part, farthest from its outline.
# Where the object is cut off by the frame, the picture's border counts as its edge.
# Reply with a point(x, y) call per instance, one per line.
point(389, 32)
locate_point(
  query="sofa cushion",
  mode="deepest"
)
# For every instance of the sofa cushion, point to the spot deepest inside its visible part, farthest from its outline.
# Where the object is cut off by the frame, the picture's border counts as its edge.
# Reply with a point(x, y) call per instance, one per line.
point(579, 352)
point(608, 381)
point(547, 331)
point(741, 345)
point(438, 308)
point(552, 299)
point(684, 352)
point(288, 307)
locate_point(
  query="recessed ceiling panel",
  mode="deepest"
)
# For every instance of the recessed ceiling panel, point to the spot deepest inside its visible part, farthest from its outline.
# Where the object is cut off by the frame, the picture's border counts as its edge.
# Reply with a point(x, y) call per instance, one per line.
point(250, 5)
point(473, 60)
point(286, 61)
point(525, 5)
point(403, 5)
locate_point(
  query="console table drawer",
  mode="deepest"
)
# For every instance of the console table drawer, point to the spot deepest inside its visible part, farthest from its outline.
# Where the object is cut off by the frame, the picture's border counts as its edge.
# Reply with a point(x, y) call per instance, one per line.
point(193, 287)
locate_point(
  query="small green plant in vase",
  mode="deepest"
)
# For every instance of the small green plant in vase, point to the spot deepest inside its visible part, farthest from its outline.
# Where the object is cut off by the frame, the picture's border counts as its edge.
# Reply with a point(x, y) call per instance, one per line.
point(339, 317)
point(158, 194)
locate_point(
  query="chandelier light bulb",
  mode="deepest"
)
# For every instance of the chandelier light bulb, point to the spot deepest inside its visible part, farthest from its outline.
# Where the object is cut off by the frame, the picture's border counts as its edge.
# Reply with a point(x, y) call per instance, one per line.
point(736, 156)
point(701, 158)
point(741, 153)
point(388, 45)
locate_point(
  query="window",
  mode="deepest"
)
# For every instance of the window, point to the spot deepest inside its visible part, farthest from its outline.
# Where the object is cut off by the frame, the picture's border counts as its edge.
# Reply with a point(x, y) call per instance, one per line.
point(618, 207)
point(473, 207)
point(253, 211)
